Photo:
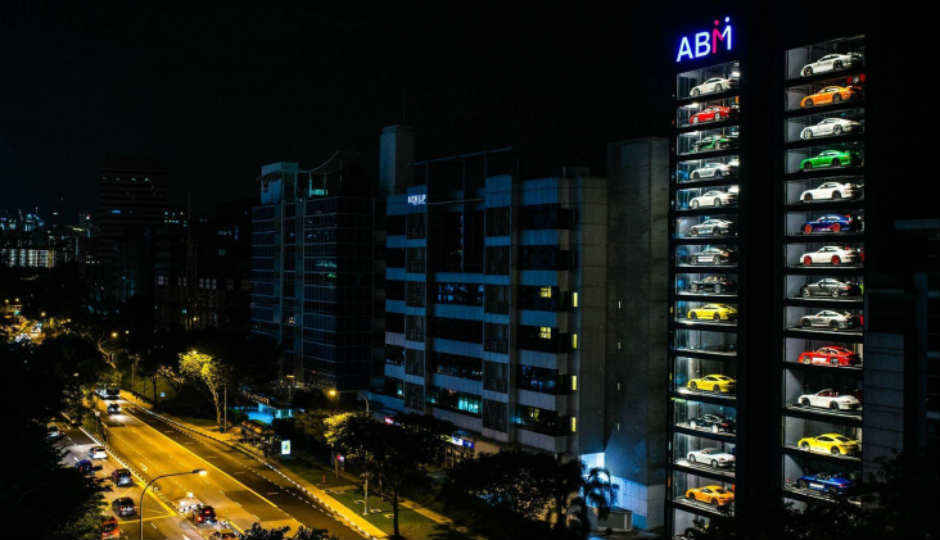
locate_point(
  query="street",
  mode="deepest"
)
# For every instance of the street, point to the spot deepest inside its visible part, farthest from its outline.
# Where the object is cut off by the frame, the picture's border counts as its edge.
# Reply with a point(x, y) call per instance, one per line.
point(241, 490)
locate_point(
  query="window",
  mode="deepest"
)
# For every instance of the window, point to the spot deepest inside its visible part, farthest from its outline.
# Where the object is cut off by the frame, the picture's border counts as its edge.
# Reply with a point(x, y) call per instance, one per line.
point(414, 362)
point(497, 299)
point(445, 398)
point(497, 222)
point(494, 415)
point(574, 342)
point(574, 383)
point(414, 328)
point(497, 260)
point(454, 365)
point(414, 293)
point(574, 424)
point(495, 376)
point(496, 338)
point(468, 294)
point(545, 292)
point(545, 332)
point(416, 260)
point(574, 299)
point(536, 379)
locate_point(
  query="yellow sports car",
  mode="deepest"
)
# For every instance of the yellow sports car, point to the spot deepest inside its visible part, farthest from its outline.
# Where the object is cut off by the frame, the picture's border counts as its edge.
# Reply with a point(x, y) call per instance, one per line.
point(714, 495)
point(718, 312)
point(830, 443)
point(830, 94)
point(712, 383)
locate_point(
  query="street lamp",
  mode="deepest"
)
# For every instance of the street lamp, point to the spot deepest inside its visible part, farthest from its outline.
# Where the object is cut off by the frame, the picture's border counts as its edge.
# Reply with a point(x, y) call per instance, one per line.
point(140, 507)
point(114, 335)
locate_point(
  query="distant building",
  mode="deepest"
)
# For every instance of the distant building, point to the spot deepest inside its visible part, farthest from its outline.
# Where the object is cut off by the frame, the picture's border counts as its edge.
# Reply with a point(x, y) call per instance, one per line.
point(313, 271)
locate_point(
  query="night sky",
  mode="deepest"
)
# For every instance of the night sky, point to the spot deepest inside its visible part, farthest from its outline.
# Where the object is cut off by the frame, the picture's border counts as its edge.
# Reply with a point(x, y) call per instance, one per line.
point(214, 94)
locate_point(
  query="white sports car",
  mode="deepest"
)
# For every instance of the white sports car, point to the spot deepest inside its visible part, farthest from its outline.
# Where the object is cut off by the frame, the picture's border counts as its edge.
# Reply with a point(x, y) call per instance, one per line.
point(834, 255)
point(830, 126)
point(712, 227)
point(711, 86)
point(713, 198)
point(711, 170)
point(712, 255)
point(832, 62)
point(714, 457)
point(828, 191)
point(829, 319)
point(829, 399)
point(97, 452)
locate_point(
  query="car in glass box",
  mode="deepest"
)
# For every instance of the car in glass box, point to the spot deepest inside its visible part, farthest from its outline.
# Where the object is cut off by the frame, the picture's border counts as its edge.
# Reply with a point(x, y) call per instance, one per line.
point(830, 443)
point(713, 495)
point(831, 95)
point(713, 142)
point(831, 158)
point(712, 255)
point(717, 312)
point(832, 255)
point(833, 62)
point(832, 223)
point(831, 355)
point(714, 85)
point(715, 283)
point(713, 169)
point(831, 191)
point(830, 319)
point(830, 126)
point(712, 227)
point(715, 423)
point(832, 484)
point(713, 457)
point(712, 383)
point(713, 198)
point(827, 398)
point(712, 113)
point(830, 287)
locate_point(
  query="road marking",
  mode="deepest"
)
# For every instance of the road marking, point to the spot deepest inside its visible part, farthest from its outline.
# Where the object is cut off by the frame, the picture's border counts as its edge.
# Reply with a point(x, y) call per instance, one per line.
point(145, 520)
point(214, 466)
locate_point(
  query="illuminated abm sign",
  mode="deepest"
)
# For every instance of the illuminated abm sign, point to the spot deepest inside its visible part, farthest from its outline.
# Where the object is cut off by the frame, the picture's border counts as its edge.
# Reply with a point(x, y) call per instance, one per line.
point(705, 43)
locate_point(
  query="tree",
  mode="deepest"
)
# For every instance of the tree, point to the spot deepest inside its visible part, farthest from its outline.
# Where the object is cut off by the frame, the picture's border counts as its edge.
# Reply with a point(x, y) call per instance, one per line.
point(256, 532)
point(395, 455)
point(208, 371)
point(536, 487)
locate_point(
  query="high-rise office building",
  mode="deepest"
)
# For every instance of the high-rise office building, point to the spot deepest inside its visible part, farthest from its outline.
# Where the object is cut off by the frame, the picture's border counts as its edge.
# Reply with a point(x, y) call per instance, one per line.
point(313, 277)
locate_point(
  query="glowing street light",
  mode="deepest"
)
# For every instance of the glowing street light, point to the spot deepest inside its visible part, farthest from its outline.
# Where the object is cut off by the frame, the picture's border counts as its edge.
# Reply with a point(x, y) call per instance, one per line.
point(140, 507)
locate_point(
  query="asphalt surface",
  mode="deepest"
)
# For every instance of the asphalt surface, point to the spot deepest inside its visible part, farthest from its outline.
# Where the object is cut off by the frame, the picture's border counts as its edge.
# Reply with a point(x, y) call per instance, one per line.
point(241, 489)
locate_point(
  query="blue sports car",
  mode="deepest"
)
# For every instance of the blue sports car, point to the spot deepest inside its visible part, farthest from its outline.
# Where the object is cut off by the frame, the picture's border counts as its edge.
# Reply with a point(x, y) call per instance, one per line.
point(831, 223)
point(833, 484)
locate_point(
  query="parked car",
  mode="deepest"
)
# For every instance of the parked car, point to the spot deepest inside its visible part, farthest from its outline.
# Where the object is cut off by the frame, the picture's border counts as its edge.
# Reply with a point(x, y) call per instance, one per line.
point(713, 198)
point(830, 287)
point(713, 422)
point(831, 127)
point(124, 506)
point(715, 283)
point(85, 466)
point(828, 398)
point(713, 457)
point(831, 95)
point(713, 86)
point(97, 452)
point(830, 319)
point(829, 191)
point(832, 355)
point(832, 484)
point(830, 443)
point(833, 62)
point(109, 528)
point(122, 477)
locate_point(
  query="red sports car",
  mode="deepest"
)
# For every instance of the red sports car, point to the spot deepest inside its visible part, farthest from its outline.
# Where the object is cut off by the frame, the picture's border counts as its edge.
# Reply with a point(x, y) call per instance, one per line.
point(715, 113)
point(832, 355)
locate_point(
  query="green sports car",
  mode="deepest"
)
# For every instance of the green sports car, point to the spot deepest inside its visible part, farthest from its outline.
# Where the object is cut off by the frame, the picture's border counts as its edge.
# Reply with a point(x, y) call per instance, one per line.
point(712, 142)
point(832, 158)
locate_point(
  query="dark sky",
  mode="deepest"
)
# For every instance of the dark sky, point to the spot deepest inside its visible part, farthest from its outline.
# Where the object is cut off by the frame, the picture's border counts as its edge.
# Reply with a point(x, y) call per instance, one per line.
point(214, 94)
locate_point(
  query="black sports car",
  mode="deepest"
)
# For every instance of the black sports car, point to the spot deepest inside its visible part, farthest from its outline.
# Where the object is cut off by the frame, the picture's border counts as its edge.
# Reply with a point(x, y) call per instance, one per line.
point(713, 422)
point(714, 283)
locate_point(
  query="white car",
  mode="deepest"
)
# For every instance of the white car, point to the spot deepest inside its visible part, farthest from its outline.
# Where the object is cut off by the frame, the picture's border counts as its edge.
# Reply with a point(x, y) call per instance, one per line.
point(712, 255)
point(832, 62)
point(828, 191)
point(713, 457)
point(712, 227)
point(834, 255)
point(712, 170)
point(714, 198)
point(830, 126)
point(829, 399)
point(829, 319)
point(97, 452)
point(713, 85)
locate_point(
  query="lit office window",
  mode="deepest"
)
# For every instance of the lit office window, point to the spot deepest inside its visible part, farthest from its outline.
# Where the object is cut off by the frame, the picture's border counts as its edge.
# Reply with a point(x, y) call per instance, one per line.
point(574, 424)
point(574, 341)
point(545, 332)
point(574, 382)
point(545, 292)
point(574, 299)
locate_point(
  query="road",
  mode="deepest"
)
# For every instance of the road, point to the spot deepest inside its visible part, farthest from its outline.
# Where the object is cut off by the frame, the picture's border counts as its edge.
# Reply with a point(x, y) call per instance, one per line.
point(240, 489)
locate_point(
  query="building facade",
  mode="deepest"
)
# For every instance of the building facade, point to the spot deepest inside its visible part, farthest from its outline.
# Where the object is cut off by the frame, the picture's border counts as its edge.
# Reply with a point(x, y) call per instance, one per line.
point(312, 270)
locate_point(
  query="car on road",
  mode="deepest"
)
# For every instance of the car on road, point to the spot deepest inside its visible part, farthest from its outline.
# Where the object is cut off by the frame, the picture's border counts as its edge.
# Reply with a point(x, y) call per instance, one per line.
point(114, 408)
point(832, 62)
point(713, 495)
point(832, 355)
point(830, 287)
point(85, 466)
point(830, 443)
point(833, 484)
point(713, 422)
point(97, 452)
point(830, 319)
point(830, 191)
point(828, 398)
point(122, 477)
point(197, 511)
point(54, 433)
point(713, 457)
point(124, 506)
point(223, 535)
point(830, 126)
point(109, 528)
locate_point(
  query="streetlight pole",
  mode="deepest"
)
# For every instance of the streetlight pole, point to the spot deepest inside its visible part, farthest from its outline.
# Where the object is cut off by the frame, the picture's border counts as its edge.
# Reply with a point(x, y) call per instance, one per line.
point(140, 507)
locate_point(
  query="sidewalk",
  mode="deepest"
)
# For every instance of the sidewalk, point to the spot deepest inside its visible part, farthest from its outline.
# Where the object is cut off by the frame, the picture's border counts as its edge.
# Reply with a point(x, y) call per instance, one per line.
point(341, 496)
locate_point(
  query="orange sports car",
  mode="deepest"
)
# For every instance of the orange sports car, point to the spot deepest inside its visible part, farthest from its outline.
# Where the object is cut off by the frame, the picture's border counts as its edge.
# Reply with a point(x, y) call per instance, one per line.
point(714, 495)
point(831, 95)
